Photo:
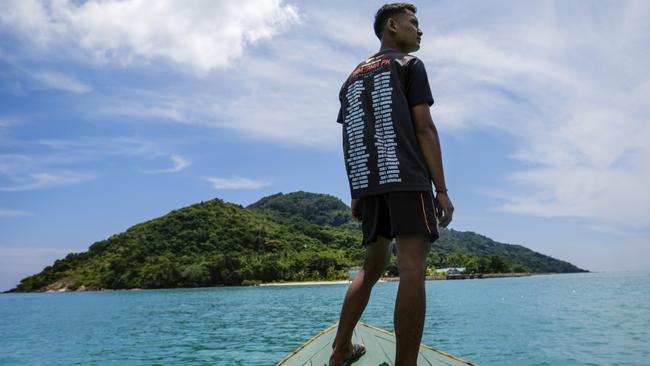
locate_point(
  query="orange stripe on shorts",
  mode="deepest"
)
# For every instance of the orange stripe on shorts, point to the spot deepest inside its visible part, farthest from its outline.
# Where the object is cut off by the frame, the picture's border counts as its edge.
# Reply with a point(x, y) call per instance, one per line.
point(424, 212)
point(433, 204)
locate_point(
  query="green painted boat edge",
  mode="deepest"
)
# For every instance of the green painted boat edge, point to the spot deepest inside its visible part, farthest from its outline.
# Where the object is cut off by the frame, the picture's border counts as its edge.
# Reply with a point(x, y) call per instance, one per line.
point(290, 355)
point(333, 326)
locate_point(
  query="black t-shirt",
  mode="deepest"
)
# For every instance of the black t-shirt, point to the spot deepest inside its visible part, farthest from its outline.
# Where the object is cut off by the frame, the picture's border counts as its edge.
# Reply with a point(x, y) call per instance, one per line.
point(381, 150)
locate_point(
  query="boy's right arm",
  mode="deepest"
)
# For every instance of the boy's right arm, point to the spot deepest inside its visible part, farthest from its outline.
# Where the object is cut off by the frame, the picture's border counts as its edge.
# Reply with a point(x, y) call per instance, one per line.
point(427, 136)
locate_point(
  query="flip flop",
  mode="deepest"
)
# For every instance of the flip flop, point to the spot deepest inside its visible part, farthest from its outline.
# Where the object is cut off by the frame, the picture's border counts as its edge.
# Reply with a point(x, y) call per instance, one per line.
point(358, 350)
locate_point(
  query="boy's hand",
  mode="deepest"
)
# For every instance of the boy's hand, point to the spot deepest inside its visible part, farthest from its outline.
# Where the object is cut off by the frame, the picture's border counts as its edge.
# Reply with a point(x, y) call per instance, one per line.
point(444, 209)
point(356, 209)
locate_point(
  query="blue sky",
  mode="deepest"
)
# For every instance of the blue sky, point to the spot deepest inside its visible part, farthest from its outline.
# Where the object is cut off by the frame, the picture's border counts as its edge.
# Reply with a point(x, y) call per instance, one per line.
point(117, 112)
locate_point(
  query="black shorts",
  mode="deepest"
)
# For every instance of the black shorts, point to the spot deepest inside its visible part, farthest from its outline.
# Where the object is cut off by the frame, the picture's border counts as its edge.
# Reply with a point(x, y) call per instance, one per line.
point(398, 213)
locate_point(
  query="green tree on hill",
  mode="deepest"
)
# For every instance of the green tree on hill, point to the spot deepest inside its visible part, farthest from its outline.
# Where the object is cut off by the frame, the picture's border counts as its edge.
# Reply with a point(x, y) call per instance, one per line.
point(283, 237)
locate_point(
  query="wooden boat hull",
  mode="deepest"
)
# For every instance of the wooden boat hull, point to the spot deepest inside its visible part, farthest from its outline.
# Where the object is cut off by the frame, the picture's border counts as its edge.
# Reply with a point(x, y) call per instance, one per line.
point(380, 347)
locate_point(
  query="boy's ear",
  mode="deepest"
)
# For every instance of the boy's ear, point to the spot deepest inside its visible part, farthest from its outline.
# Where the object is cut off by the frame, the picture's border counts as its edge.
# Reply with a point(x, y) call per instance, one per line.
point(391, 25)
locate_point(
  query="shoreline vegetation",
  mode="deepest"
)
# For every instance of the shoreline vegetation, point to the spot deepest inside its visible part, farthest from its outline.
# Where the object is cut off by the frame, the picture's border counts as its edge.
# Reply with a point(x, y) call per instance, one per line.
point(56, 288)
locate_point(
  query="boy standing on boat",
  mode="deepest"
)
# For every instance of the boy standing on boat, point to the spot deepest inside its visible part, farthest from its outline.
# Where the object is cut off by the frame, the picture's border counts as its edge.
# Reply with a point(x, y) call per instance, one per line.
point(392, 154)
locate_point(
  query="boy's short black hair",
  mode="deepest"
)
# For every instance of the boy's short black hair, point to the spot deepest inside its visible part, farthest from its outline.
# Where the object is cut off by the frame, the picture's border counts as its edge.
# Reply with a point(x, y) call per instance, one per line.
point(388, 11)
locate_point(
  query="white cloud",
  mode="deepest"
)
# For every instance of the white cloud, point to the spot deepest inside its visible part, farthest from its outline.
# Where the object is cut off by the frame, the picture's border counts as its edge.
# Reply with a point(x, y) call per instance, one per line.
point(236, 183)
point(570, 84)
point(60, 81)
point(179, 162)
point(13, 213)
point(202, 34)
point(45, 180)
point(288, 94)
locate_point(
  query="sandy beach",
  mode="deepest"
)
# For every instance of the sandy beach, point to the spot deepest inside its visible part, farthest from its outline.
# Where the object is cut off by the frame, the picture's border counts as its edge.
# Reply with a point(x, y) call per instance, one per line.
point(386, 279)
point(338, 282)
point(299, 283)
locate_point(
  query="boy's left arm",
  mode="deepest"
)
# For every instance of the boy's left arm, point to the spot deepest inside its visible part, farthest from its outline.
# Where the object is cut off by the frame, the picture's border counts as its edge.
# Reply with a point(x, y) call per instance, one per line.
point(356, 209)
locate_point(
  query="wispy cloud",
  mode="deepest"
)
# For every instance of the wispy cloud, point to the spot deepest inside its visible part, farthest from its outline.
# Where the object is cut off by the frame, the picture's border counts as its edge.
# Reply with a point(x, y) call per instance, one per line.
point(94, 147)
point(281, 116)
point(179, 162)
point(57, 162)
point(8, 121)
point(148, 109)
point(236, 183)
point(561, 88)
point(13, 213)
point(45, 180)
point(14, 163)
point(202, 34)
point(60, 81)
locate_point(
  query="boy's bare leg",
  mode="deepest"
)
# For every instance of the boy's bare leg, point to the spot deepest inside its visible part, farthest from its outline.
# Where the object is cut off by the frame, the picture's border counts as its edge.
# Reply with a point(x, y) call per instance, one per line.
point(356, 298)
point(412, 251)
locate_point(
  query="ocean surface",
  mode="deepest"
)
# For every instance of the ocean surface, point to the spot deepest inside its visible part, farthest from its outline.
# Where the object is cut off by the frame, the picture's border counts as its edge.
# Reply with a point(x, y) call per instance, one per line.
point(563, 320)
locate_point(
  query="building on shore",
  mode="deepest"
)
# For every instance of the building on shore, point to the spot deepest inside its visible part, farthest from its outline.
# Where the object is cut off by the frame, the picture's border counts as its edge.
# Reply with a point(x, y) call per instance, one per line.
point(446, 270)
point(452, 273)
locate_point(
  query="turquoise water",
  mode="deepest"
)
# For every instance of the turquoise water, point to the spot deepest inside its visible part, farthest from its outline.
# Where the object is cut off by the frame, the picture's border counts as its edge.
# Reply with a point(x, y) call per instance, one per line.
point(564, 320)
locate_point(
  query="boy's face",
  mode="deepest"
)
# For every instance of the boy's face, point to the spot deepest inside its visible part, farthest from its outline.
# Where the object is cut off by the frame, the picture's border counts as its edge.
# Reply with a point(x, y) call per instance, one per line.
point(407, 32)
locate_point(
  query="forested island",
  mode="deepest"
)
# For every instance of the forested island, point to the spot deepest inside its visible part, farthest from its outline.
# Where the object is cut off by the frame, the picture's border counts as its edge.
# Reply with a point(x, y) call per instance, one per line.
point(298, 236)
